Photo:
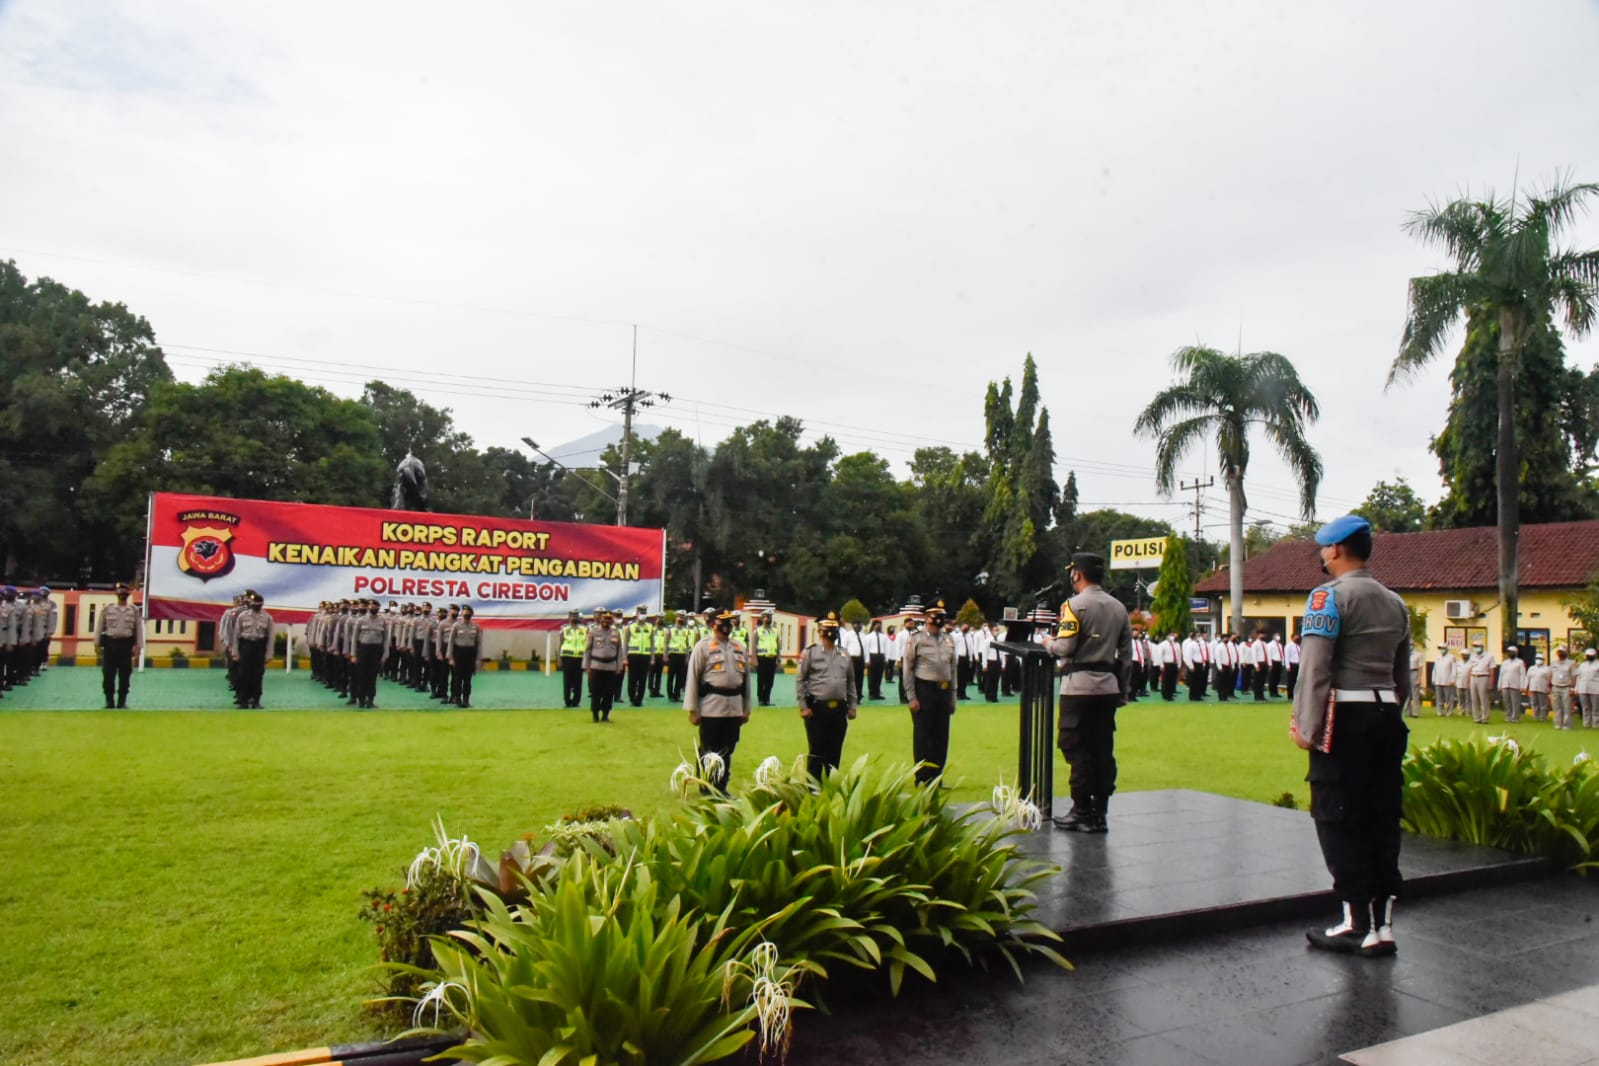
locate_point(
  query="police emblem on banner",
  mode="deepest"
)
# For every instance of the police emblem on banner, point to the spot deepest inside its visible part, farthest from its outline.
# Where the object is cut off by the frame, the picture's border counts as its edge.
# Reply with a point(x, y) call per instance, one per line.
point(206, 552)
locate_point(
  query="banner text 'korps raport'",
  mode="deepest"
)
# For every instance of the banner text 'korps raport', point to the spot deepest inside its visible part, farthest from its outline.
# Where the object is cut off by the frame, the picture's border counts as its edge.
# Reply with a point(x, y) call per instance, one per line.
point(204, 550)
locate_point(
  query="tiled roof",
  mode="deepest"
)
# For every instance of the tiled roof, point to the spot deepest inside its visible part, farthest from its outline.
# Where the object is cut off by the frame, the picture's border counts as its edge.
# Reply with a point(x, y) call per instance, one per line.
point(1552, 555)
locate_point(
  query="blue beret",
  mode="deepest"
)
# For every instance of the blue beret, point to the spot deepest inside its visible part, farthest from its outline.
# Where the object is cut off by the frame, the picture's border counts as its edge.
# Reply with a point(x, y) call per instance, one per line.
point(1341, 529)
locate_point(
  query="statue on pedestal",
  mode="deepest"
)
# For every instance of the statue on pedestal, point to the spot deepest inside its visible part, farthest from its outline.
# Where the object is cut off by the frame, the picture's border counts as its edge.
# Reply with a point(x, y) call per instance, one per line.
point(410, 485)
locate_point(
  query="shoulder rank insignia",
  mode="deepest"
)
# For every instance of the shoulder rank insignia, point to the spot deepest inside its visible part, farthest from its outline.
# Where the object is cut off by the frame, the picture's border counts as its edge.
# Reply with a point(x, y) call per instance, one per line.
point(1321, 613)
point(1068, 622)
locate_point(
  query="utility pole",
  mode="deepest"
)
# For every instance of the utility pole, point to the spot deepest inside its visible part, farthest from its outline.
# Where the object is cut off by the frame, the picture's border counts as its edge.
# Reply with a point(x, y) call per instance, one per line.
point(1197, 486)
point(628, 400)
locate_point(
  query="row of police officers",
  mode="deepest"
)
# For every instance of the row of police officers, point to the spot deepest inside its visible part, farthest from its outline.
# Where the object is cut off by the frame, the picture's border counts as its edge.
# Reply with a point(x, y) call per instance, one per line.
point(354, 642)
point(27, 618)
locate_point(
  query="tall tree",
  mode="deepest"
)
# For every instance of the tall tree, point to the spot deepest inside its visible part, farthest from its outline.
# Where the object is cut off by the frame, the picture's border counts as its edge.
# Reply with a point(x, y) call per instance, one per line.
point(1393, 507)
point(1022, 492)
point(1554, 412)
point(1223, 397)
point(1174, 589)
point(75, 379)
point(948, 499)
point(1506, 266)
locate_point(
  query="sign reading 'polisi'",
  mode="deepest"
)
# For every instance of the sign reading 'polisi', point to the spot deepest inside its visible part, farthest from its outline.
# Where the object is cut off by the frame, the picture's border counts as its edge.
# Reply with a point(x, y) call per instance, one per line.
point(1145, 553)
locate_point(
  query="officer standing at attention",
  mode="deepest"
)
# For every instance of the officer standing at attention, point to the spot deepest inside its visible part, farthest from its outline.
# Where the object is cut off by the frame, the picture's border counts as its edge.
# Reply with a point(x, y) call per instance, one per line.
point(602, 661)
point(678, 644)
point(640, 646)
point(658, 654)
point(717, 694)
point(252, 644)
point(1354, 676)
point(369, 646)
point(466, 648)
point(1096, 641)
point(1512, 682)
point(573, 639)
point(118, 636)
point(825, 687)
point(1479, 668)
point(929, 672)
point(767, 642)
point(913, 625)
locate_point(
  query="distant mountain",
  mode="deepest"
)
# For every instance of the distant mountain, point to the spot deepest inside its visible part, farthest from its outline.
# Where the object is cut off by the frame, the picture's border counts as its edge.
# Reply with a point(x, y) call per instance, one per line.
point(586, 451)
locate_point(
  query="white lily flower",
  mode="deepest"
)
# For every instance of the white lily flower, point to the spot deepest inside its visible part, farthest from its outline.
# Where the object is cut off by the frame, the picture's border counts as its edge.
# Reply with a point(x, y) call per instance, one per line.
point(713, 766)
point(770, 993)
point(770, 773)
point(682, 782)
point(437, 997)
point(1015, 809)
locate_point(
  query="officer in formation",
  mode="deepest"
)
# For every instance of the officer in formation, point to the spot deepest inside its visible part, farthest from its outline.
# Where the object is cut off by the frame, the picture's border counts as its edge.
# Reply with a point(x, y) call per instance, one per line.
point(251, 646)
point(928, 668)
point(658, 655)
point(679, 643)
point(639, 639)
point(465, 648)
point(13, 628)
point(1354, 678)
point(1443, 682)
point(1538, 683)
point(1479, 669)
point(118, 637)
point(227, 638)
point(1095, 641)
point(369, 649)
point(825, 688)
point(602, 662)
point(324, 635)
point(716, 694)
point(1586, 688)
point(1562, 676)
point(1512, 681)
point(768, 643)
point(574, 637)
point(913, 626)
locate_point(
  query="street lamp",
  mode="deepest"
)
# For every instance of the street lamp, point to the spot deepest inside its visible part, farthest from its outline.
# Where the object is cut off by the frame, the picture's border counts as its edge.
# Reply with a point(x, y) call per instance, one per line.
point(531, 443)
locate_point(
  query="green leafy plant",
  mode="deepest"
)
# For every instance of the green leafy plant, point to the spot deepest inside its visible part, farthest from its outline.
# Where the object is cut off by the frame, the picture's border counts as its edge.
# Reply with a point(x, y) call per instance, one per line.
point(404, 922)
point(1489, 791)
point(854, 611)
point(1288, 800)
point(606, 967)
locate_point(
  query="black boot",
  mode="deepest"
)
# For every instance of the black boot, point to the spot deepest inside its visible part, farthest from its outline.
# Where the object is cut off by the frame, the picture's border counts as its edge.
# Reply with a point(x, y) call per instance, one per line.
point(1081, 818)
point(1355, 935)
point(1100, 825)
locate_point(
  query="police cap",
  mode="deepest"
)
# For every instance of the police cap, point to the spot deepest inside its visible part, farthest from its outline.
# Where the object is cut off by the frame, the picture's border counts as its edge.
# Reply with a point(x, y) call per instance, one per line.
point(829, 623)
point(1341, 529)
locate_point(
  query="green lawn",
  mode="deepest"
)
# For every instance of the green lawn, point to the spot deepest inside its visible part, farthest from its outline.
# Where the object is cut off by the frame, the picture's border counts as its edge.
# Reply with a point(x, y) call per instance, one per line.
point(184, 884)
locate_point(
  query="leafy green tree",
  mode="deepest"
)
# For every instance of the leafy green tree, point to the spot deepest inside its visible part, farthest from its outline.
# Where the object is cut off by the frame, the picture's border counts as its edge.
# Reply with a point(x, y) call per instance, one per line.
point(948, 497)
point(854, 611)
point(1507, 269)
point(670, 492)
point(1022, 492)
point(970, 614)
point(1393, 507)
point(242, 432)
point(1584, 606)
point(1223, 397)
point(1093, 531)
point(75, 379)
point(1173, 589)
point(1554, 426)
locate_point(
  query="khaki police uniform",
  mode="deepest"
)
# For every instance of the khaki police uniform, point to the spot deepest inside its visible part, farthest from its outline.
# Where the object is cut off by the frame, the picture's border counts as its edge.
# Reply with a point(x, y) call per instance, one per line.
point(602, 661)
point(825, 688)
point(253, 632)
point(717, 697)
point(118, 637)
point(1095, 640)
point(928, 668)
point(466, 648)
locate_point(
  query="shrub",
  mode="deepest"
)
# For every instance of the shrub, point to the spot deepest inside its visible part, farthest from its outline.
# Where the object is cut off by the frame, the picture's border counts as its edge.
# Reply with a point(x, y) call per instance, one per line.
point(1288, 800)
point(404, 922)
point(1489, 791)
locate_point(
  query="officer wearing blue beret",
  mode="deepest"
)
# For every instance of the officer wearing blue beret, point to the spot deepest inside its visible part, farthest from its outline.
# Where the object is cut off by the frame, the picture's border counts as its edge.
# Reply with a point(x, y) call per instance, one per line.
point(1354, 678)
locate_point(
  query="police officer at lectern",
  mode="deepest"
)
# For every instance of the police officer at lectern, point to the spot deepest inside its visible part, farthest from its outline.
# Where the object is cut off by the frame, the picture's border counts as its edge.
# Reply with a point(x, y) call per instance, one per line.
point(1096, 641)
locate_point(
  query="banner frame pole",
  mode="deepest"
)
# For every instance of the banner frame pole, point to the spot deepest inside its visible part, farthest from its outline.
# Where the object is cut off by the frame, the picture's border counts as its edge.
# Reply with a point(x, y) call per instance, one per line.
point(144, 593)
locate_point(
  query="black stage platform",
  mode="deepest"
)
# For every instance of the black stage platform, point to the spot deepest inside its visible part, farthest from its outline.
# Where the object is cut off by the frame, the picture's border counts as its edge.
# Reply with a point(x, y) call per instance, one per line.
point(1179, 863)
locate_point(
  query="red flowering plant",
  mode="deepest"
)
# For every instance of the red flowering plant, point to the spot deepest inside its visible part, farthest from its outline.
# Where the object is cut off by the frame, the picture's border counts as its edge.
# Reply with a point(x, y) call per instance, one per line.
point(433, 902)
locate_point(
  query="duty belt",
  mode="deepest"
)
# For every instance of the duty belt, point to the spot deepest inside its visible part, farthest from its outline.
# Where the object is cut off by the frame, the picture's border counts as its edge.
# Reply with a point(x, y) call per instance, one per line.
point(1092, 667)
point(1365, 695)
point(724, 691)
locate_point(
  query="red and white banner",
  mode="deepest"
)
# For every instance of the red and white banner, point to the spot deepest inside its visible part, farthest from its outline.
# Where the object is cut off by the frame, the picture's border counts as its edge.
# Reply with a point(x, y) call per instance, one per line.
point(204, 550)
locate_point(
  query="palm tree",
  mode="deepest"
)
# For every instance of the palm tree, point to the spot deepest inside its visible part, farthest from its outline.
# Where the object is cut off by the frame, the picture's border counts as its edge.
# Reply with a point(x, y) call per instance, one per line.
point(1508, 276)
point(1222, 396)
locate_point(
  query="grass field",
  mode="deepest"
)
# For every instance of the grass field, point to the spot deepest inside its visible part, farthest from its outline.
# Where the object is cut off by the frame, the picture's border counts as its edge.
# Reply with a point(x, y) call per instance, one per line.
point(183, 885)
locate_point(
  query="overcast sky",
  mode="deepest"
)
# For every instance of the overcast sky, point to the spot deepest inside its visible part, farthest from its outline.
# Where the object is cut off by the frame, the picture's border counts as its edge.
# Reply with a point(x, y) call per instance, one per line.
point(856, 214)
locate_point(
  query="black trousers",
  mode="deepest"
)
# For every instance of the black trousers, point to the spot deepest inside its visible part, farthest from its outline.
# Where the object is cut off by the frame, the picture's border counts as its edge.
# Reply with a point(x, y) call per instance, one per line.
point(572, 680)
point(657, 669)
point(991, 680)
point(1138, 682)
point(602, 692)
point(859, 666)
point(252, 665)
point(439, 677)
point(1356, 796)
point(874, 675)
point(1261, 674)
point(824, 731)
point(1198, 676)
point(368, 660)
point(116, 668)
point(963, 675)
point(638, 678)
point(1088, 741)
point(461, 679)
point(1168, 681)
point(721, 736)
point(1248, 680)
point(1292, 679)
point(765, 674)
point(418, 665)
point(930, 728)
point(676, 674)
point(1276, 678)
